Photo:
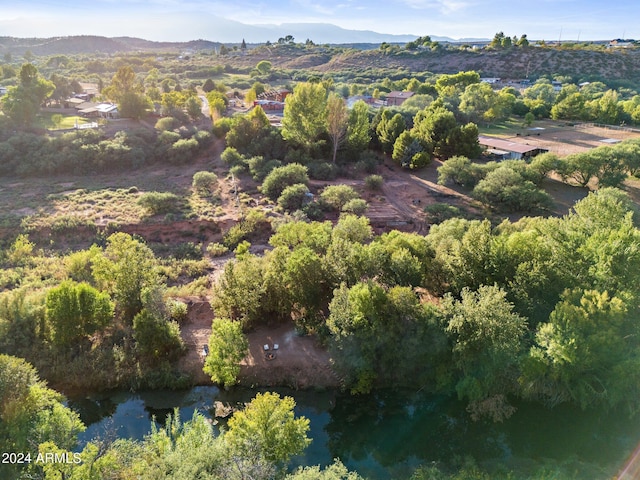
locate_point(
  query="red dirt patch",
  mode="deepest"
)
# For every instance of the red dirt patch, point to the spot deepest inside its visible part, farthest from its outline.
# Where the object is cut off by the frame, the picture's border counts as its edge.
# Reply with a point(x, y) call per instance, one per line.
point(298, 362)
point(195, 334)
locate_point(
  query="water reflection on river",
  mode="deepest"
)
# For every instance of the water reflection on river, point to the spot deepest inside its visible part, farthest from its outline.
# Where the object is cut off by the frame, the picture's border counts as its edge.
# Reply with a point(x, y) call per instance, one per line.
point(386, 435)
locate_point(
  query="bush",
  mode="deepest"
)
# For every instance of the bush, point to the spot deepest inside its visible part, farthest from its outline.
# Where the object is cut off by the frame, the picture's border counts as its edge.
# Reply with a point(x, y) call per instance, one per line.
point(313, 211)
point(232, 157)
point(282, 177)
point(254, 222)
point(216, 249)
point(460, 171)
point(183, 150)
point(293, 197)
point(237, 170)
point(323, 171)
point(204, 182)
point(259, 167)
point(166, 123)
point(369, 161)
point(374, 182)
point(178, 311)
point(159, 202)
point(357, 206)
point(439, 212)
point(336, 196)
point(155, 337)
point(188, 251)
point(506, 189)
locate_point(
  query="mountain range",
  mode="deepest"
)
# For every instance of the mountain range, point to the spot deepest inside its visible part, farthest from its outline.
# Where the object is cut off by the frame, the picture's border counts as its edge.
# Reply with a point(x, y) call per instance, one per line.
point(218, 32)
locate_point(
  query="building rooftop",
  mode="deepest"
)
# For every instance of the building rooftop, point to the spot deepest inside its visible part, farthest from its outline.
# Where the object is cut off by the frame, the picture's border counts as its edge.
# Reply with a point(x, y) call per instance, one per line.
point(505, 145)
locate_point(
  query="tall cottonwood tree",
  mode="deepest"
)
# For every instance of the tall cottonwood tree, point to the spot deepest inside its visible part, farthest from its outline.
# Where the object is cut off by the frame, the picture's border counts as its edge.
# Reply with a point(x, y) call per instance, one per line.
point(22, 102)
point(305, 114)
point(128, 93)
point(358, 133)
point(337, 118)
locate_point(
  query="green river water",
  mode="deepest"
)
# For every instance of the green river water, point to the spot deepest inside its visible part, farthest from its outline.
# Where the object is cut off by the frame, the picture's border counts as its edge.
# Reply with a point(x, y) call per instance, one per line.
point(387, 434)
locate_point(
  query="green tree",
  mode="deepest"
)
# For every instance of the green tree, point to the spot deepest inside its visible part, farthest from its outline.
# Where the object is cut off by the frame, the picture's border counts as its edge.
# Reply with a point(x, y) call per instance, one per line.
point(76, 310)
point(459, 170)
point(268, 424)
point(264, 67)
point(586, 352)
point(126, 267)
point(305, 114)
point(239, 293)
point(336, 196)
point(293, 197)
point(571, 108)
point(450, 86)
point(409, 152)
point(337, 118)
point(127, 93)
point(389, 129)
point(227, 347)
point(21, 103)
point(367, 326)
point(194, 107)
point(600, 163)
point(218, 103)
point(281, 177)
point(358, 133)
point(487, 339)
point(479, 102)
point(156, 337)
point(31, 413)
point(335, 471)
point(505, 188)
point(438, 127)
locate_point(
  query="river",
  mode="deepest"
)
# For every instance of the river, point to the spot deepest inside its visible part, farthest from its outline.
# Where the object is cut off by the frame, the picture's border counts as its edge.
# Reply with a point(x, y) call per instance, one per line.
point(387, 434)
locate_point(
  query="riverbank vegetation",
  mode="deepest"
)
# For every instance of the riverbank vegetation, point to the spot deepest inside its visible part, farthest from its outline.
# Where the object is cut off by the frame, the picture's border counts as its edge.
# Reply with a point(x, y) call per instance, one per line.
point(532, 309)
point(542, 309)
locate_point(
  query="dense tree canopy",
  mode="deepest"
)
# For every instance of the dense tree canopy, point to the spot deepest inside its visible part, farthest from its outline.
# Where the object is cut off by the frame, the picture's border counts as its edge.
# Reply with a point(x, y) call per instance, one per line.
point(22, 102)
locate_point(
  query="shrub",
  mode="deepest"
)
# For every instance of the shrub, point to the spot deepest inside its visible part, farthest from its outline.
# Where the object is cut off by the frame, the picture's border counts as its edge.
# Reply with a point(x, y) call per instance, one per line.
point(155, 337)
point(439, 212)
point(369, 161)
point(254, 222)
point(313, 211)
point(178, 311)
point(204, 182)
point(159, 202)
point(323, 171)
point(232, 157)
point(216, 249)
point(237, 170)
point(259, 167)
point(166, 123)
point(357, 206)
point(282, 177)
point(293, 197)
point(374, 182)
point(506, 189)
point(188, 251)
point(460, 171)
point(183, 150)
point(336, 196)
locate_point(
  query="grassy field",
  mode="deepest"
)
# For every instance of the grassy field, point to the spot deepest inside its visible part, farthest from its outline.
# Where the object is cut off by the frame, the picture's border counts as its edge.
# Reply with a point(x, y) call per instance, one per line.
point(45, 120)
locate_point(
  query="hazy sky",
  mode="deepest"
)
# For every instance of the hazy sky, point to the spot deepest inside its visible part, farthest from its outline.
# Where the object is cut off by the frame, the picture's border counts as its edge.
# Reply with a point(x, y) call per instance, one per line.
point(179, 20)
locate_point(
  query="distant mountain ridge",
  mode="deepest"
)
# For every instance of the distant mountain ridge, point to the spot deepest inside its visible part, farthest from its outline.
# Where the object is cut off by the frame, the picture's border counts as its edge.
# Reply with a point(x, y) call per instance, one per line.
point(317, 32)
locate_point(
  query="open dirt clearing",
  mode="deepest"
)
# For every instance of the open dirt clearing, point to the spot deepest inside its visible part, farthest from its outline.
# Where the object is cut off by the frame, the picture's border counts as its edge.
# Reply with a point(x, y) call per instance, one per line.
point(298, 362)
point(564, 140)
